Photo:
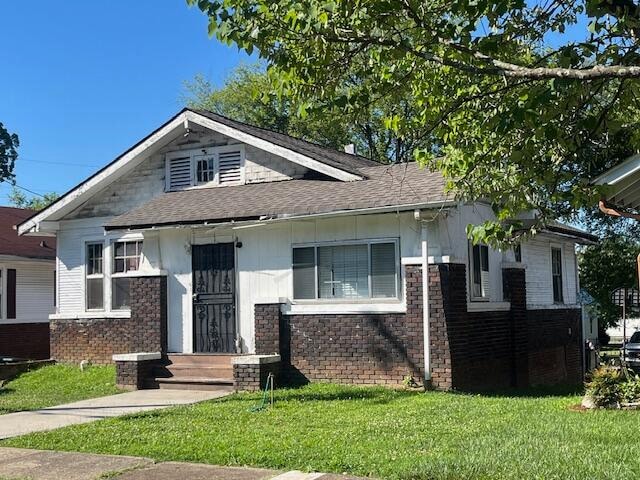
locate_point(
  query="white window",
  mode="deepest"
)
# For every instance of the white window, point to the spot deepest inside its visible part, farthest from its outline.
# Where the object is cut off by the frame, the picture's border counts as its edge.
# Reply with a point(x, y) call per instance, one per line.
point(215, 166)
point(479, 272)
point(352, 271)
point(126, 259)
point(556, 274)
point(94, 273)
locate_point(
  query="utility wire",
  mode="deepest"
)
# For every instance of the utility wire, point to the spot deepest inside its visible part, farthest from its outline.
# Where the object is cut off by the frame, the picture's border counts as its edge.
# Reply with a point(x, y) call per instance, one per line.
point(58, 163)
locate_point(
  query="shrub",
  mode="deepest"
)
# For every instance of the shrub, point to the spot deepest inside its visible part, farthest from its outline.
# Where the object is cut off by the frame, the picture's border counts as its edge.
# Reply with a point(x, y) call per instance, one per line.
point(630, 390)
point(605, 386)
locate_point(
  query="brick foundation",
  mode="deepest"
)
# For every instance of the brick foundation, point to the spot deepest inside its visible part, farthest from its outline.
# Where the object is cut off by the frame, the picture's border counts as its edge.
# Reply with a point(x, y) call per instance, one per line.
point(25, 340)
point(252, 376)
point(97, 339)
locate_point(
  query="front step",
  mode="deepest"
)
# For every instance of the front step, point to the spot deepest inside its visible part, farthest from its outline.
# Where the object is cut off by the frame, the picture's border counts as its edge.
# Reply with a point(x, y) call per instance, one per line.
point(184, 383)
point(195, 372)
point(188, 371)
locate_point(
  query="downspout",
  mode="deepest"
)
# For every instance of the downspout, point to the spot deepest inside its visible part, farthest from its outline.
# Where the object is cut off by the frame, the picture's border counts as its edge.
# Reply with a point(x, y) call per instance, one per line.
point(425, 301)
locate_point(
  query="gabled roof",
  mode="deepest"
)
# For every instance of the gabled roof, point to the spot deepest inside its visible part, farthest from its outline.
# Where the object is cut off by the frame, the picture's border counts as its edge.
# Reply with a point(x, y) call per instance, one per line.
point(401, 187)
point(27, 247)
point(336, 158)
point(335, 164)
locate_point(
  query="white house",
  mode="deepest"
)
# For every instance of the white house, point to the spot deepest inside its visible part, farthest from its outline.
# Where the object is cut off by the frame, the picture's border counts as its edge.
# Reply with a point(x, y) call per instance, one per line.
point(27, 270)
point(210, 236)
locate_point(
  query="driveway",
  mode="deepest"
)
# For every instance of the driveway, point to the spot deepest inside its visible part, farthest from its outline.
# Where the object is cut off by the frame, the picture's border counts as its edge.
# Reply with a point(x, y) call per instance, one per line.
point(50, 418)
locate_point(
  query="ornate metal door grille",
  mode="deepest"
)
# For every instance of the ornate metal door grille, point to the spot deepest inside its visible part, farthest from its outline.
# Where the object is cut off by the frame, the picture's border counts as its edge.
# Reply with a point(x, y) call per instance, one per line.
point(214, 312)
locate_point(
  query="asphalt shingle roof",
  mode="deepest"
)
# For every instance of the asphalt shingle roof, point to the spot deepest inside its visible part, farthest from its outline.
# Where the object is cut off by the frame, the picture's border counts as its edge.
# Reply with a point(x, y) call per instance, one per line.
point(384, 186)
point(342, 160)
point(28, 247)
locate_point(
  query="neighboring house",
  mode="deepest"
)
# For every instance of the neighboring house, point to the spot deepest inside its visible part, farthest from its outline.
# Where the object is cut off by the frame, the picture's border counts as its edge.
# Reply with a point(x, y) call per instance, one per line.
point(213, 236)
point(27, 272)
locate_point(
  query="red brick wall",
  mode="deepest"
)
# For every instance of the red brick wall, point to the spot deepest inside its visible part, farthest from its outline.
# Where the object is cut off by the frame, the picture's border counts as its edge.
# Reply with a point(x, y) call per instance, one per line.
point(25, 340)
point(98, 339)
point(368, 349)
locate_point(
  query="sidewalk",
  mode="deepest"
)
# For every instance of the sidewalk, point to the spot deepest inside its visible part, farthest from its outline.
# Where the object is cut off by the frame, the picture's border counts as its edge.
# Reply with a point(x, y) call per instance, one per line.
point(17, 463)
point(84, 411)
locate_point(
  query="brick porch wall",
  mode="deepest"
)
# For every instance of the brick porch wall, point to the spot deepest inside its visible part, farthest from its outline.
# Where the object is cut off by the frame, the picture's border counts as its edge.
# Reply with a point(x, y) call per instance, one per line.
point(25, 340)
point(97, 339)
point(362, 348)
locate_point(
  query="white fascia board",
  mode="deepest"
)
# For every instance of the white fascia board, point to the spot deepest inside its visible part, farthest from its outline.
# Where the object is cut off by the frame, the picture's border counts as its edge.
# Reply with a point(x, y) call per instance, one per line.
point(619, 172)
point(80, 194)
point(283, 152)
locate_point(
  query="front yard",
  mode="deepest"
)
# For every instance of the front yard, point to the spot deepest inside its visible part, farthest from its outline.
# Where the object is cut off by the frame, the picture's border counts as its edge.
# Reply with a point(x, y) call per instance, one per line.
point(54, 385)
point(377, 432)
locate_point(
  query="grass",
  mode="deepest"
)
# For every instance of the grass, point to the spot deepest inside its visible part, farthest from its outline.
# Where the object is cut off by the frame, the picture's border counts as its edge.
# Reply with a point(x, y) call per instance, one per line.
point(377, 432)
point(55, 384)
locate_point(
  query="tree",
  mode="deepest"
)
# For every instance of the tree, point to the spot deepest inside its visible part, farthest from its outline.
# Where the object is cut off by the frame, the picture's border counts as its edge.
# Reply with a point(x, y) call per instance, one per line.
point(247, 96)
point(519, 96)
point(21, 200)
point(603, 268)
point(9, 144)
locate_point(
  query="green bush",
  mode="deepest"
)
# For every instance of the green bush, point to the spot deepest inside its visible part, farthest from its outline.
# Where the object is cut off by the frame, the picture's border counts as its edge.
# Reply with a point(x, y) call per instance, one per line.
point(605, 386)
point(610, 386)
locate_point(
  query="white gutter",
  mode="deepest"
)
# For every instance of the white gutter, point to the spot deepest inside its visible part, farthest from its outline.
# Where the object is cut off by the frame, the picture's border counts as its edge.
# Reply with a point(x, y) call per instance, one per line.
point(284, 218)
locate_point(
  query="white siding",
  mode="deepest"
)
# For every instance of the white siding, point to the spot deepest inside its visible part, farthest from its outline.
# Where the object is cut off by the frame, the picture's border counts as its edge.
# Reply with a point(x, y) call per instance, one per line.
point(34, 290)
point(536, 255)
point(70, 243)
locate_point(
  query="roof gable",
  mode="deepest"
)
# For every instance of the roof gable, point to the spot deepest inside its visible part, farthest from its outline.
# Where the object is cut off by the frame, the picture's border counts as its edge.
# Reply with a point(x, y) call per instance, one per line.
point(337, 165)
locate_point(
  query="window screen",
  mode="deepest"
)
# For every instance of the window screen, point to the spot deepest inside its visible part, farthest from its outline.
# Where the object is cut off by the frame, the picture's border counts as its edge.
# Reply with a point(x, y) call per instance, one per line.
point(480, 269)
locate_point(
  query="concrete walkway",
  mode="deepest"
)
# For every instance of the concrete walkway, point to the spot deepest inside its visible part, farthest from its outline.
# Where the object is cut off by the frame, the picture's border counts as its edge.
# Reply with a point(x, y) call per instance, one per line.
point(15, 424)
point(17, 463)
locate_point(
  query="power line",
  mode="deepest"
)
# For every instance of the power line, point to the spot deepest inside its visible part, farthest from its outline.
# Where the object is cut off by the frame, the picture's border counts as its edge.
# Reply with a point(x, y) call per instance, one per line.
point(58, 163)
point(27, 190)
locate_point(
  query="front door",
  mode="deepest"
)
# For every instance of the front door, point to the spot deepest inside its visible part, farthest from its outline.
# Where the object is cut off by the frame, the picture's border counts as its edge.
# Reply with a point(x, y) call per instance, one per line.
point(214, 312)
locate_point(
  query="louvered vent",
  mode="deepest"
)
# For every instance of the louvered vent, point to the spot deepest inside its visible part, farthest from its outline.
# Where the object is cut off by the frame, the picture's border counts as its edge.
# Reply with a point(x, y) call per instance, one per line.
point(229, 167)
point(179, 173)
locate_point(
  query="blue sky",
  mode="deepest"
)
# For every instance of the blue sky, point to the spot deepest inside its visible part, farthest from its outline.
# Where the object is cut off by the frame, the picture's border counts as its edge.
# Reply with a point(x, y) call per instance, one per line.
point(82, 81)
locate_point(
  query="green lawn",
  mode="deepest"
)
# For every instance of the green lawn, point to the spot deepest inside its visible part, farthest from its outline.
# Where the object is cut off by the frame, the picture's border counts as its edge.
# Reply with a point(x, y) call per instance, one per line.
point(55, 384)
point(377, 432)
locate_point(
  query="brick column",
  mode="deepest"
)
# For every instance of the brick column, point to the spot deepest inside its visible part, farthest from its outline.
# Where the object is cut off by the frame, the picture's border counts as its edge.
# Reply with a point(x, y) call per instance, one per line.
point(514, 282)
point(267, 328)
point(134, 370)
point(447, 316)
point(149, 313)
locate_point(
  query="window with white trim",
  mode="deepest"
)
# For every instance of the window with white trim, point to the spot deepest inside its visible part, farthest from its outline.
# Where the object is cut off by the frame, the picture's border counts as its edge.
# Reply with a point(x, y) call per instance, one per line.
point(94, 276)
point(126, 259)
point(556, 274)
point(350, 271)
point(479, 260)
point(214, 166)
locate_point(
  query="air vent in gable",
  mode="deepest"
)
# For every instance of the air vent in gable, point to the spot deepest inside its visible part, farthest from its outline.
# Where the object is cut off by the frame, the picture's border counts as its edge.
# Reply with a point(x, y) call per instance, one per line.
point(179, 172)
point(230, 167)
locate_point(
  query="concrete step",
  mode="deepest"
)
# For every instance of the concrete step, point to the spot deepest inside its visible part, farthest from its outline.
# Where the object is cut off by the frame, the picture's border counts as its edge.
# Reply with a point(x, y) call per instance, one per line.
point(205, 360)
point(186, 383)
point(195, 371)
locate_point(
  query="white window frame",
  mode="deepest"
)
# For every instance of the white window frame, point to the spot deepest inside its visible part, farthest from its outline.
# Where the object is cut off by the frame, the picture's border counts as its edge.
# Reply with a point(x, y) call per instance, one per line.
point(552, 247)
point(107, 259)
point(339, 243)
point(126, 273)
point(472, 297)
point(208, 151)
point(85, 276)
